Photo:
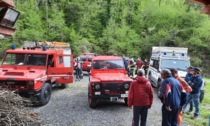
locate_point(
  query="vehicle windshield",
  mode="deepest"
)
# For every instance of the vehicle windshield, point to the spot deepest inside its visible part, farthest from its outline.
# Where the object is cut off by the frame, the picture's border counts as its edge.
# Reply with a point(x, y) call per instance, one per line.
point(108, 64)
point(25, 59)
point(90, 58)
point(178, 64)
point(83, 58)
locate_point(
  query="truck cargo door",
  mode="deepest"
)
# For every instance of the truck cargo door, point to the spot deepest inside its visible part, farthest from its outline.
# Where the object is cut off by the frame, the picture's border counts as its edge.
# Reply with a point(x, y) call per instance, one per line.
point(62, 72)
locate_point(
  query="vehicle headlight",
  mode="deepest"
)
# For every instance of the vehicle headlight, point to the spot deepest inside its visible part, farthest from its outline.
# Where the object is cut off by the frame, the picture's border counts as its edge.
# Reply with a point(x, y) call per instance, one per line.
point(126, 86)
point(30, 83)
point(97, 86)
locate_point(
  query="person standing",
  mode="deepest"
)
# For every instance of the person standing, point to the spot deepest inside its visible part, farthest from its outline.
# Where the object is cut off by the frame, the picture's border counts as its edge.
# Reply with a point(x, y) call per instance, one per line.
point(77, 66)
point(171, 91)
point(126, 65)
point(140, 96)
point(196, 84)
point(139, 63)
point(146, 66)
point(188, 78)
point(186, 87)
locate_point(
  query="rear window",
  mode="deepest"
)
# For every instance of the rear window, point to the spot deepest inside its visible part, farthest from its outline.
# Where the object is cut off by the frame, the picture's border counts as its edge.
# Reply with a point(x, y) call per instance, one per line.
point(90, 58)
point(83, 58)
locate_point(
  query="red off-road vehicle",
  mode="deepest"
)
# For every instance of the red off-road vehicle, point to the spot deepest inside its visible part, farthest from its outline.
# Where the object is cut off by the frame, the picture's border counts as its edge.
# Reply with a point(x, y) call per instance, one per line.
point(108, 80)
point(86, 59)
point(32, 71)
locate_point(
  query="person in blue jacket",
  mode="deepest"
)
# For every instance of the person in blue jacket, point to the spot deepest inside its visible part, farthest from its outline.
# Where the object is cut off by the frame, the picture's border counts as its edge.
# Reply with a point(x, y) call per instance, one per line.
point(188, 78)
point(196, 84)
point(171, 97)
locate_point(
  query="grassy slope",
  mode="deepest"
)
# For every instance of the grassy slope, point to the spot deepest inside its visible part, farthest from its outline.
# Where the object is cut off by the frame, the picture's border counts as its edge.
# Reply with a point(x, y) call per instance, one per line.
point(205, 109)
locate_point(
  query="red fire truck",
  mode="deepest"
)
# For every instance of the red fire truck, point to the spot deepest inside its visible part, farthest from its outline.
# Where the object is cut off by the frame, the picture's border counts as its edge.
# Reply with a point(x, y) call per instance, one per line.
point(33, 71)
point(86, 59)
point(108, 80)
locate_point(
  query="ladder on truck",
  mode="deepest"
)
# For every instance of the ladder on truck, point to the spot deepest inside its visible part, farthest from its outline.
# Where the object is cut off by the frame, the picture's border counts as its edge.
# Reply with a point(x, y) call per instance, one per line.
point(51, 45)
point(47, 44)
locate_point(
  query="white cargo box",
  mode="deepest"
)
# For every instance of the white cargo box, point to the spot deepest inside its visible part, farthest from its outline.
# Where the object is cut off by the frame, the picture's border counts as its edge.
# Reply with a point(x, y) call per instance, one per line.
point(170, 52)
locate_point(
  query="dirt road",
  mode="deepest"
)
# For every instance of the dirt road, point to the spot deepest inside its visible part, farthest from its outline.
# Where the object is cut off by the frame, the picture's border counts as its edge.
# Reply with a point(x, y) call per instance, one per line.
point(69, 107)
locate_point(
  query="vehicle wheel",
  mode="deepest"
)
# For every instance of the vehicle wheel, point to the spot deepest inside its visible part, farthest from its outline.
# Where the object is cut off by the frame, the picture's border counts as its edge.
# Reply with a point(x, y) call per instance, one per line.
point(45, 94)
point(92, 102)
point(159, 89)
point(63, 86)
point(126, 101)
point(201, 96)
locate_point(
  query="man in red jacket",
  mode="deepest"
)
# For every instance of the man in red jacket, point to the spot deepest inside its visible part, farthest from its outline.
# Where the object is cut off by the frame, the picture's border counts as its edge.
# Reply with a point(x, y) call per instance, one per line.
point(139, 63)
point(140, 96)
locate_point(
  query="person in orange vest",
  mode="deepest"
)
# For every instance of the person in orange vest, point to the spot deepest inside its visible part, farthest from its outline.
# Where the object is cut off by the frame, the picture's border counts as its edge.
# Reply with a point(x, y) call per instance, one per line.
point(186, 87)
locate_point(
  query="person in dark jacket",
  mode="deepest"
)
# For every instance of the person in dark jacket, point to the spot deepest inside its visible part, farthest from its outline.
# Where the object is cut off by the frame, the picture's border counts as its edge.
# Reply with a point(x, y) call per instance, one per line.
point(146, 66)
point(171, 91)
point(140, 96)
point(188, 78)
point(196, 84)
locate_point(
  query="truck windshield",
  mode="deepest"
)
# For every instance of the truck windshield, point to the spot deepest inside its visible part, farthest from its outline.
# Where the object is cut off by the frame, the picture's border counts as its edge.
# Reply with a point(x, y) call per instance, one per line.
point(83, 58)
point(178, 64)
point(25, 59)
point(108, 64)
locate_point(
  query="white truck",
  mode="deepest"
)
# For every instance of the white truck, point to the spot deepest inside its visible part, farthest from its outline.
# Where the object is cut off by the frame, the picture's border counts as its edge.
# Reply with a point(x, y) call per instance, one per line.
point(167, 58)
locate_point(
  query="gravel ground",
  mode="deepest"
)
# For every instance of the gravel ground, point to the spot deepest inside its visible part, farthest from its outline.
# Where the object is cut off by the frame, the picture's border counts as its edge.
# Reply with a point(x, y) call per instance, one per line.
point(69, 107)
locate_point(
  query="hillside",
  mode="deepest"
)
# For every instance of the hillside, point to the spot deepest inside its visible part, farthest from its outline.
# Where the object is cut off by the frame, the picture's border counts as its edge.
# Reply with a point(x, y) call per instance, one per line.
point(120, 27)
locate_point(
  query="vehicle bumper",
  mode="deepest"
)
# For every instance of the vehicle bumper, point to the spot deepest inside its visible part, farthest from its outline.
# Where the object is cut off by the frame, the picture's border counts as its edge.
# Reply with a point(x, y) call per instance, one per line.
point(33, 93)
point(108, 96)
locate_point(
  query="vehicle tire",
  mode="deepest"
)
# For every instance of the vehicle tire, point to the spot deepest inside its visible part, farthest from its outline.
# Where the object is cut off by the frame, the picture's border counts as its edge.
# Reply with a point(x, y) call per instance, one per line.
point(150, 79)
point(126, 101)
point(63, 86)
point(92, 102)
point(201, 96)
point(159, 88)
point(45, 94)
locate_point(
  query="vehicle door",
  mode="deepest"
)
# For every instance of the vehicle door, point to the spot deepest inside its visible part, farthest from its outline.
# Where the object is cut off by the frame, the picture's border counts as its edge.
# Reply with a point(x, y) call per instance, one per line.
point(61, 70)
point(154, 69)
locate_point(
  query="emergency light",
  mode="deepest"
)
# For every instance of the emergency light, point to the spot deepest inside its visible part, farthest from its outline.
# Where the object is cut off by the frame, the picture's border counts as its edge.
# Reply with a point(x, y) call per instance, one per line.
point(164, 53)
point(182, 54)
point(13, 46)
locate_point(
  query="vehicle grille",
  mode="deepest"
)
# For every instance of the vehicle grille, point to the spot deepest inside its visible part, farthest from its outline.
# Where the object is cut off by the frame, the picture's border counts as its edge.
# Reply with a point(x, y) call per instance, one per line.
point(13, 84)
point(113, 86)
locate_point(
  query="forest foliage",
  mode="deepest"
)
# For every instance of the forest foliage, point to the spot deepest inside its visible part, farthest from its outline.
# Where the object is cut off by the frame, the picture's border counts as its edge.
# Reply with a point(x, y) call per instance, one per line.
point(123, 27)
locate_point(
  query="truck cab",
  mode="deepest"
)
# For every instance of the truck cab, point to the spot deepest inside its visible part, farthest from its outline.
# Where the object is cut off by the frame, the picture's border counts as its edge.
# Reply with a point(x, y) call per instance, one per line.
point(108, 80)
point(33, 71)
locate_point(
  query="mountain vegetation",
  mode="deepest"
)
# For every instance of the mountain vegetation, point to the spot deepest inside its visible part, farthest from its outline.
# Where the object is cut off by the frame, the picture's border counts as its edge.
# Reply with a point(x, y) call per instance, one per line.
point(123, 27)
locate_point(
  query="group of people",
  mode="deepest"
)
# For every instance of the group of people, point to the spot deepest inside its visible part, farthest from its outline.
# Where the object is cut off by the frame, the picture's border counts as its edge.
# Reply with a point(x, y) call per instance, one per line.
point(132, 68)
point(176, 94)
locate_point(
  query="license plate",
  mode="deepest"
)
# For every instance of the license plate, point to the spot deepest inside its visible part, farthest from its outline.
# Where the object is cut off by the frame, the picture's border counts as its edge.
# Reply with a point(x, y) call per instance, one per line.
point(113, 98)
point(124, 95)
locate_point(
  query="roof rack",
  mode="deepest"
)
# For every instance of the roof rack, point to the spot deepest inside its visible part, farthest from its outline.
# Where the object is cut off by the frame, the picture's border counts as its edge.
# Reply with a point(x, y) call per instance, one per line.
point(29, 44)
